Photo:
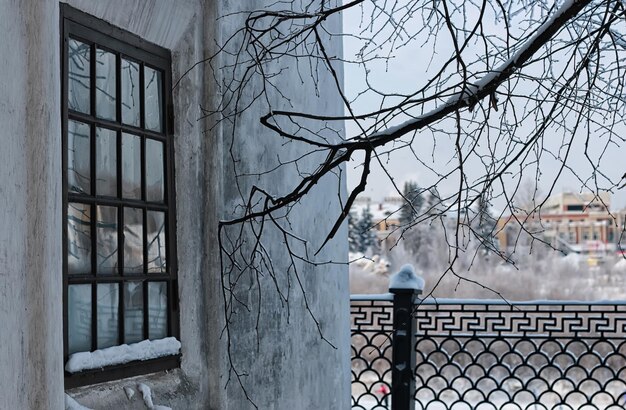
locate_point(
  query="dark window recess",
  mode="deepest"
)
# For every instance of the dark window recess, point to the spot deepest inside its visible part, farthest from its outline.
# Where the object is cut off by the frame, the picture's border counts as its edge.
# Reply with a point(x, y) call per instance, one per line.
point(119, 268)
point(575, 207)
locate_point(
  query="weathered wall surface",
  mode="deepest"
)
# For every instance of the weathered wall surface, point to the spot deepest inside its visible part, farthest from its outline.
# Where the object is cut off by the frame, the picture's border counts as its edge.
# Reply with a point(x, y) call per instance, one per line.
point(293, 368)
point(30, 207)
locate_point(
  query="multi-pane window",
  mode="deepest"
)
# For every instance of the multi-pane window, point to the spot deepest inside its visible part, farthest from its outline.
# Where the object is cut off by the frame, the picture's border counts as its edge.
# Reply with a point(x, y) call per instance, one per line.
point(119, 266)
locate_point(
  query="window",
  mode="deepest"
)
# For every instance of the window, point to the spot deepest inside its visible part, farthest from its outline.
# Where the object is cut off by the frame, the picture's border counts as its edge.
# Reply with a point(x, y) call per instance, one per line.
point(119, 266)
point(576, 208)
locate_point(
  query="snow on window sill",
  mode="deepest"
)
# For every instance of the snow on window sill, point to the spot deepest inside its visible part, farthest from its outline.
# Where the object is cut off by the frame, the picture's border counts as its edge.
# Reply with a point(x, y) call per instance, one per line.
point(111, 356)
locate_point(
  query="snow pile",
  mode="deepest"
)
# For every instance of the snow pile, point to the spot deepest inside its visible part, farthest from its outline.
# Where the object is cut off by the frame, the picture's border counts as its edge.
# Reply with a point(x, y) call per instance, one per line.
point(144, 350)
point(620, 265)
point(406, 279)
point(375, 265)
point(572, 259)
point(130, 393)
point(71, 404)
point(147, 398)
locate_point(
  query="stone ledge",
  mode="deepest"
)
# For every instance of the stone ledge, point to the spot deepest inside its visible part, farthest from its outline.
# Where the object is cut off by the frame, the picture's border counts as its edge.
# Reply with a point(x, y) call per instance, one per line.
point(169, 388)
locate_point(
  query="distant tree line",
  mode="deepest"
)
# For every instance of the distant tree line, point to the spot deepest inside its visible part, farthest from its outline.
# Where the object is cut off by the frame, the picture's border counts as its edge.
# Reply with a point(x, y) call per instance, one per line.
point(362, 232)
point(422, 235)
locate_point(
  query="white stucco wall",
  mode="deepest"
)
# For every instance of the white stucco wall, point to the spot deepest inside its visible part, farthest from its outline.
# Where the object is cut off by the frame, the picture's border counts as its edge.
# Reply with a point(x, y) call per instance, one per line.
point(293, 368)
point(30, 204)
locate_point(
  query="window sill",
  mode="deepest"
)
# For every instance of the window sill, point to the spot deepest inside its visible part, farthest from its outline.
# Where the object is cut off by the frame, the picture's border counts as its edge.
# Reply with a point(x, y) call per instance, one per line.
point(122, 371)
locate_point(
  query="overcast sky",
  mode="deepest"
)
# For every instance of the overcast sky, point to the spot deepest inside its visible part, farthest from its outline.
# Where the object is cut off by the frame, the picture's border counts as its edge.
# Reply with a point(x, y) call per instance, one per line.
point(404, 73)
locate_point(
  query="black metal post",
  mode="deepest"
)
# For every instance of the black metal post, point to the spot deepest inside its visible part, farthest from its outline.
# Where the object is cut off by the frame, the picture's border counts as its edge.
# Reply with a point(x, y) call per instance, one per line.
point(406, 287)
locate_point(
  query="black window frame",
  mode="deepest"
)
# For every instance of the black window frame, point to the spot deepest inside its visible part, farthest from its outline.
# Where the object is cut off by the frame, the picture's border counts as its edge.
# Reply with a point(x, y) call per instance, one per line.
point(93, 31)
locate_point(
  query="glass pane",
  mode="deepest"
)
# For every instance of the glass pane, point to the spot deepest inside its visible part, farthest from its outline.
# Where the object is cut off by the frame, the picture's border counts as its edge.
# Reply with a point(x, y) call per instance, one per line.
point(130, 93)
point(133, 240)
point(153, 97)
point(156, 241)
point(106, 162)
point(78, 86)
point(106, 69)
point(106, 239)
point(131, 166)
point(78, 238)
point(79, 318)
point(157, 310)
point(78, 157)
point(155, 188)
point(133, 311)
point(108, 308)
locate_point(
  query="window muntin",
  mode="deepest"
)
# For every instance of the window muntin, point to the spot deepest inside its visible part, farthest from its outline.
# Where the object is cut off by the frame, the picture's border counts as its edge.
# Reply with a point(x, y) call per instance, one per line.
point(119, 264)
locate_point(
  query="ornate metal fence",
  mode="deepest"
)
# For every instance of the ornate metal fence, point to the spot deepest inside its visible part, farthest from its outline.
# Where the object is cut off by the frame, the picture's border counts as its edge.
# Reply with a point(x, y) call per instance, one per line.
point(479, 355)
point(539, 355)
point(371, 327)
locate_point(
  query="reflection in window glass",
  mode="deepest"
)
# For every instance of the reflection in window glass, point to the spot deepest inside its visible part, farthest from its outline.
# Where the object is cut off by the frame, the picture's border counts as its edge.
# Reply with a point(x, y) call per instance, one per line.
point(78, 238)
point(78, 85)
point(118, 198)
point(108, 314)
point(157, 310)
point(133, 312)
point(156, 242)
point(153, 98)
point(130, 93)
point(155, 191)
point(131, 166)
point(106, 69)
point(78, 157)
point(106, 162)
point(79, 318)
point(106, 239)
point(133, 240)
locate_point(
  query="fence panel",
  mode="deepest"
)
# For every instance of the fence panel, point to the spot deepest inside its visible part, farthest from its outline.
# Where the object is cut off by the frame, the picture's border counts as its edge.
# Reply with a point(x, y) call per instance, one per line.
point(371, 331)
point(543, 355)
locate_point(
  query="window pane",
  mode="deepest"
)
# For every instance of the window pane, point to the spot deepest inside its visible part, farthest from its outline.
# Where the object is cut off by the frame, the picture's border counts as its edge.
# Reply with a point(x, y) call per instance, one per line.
point(117, 281)
point(133, 312)
point(108, 308)
point(106, 162)
point(106, 69)
point(78, 238)
point(155, 188)
point(131, 166)
point(106, 235)
point(79, 318)
point(156, 242)
point(133, 240)
point(153, 97)
point(157, 310)
point(130, 93)
point(78, 86)
point(78, 157)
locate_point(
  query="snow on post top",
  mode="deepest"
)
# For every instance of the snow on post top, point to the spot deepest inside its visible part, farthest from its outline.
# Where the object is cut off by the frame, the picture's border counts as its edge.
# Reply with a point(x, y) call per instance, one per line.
point(406, 279)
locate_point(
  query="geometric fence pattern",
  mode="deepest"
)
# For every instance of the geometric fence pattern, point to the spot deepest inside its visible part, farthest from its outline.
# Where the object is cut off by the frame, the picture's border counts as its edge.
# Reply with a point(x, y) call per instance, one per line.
point(479, 355)
point(371, 327)
point(540, 355)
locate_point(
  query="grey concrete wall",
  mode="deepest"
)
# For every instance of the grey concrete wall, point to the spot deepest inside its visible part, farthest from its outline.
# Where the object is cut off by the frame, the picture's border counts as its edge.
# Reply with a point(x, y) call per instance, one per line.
point(292, 368)
point(30, 204)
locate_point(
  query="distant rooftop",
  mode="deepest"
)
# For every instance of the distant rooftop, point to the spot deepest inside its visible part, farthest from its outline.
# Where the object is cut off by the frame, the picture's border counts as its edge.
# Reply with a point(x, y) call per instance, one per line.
point(578, 202)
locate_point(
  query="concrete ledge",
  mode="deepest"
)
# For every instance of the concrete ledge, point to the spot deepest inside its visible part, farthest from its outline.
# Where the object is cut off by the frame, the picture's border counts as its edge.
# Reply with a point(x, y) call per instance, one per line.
point(169, 388)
